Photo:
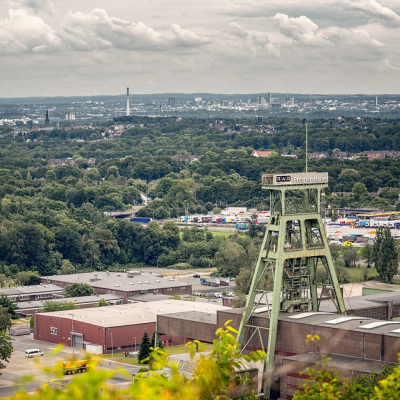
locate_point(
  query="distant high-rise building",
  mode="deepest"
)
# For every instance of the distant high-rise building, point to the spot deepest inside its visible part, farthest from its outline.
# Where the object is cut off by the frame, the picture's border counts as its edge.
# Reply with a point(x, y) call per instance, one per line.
point(127, 102)
point(47, 121)
point(70, 116)
point(269, 98)
point(261, 100)
point(171, 102)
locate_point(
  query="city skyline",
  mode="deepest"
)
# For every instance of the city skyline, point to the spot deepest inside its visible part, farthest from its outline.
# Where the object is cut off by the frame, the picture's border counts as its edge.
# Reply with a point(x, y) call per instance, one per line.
point(56, 48)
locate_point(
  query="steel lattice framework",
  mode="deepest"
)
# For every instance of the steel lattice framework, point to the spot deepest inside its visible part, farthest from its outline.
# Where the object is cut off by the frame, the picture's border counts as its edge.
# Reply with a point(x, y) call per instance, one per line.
point(294, 246)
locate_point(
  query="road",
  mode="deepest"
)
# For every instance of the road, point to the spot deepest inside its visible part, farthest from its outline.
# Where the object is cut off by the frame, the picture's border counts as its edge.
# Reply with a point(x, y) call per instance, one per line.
point(20, 366)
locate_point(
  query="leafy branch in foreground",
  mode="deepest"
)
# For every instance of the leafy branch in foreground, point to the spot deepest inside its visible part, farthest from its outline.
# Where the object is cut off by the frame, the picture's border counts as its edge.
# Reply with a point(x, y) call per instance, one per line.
point(323, 382)
point(213, 377)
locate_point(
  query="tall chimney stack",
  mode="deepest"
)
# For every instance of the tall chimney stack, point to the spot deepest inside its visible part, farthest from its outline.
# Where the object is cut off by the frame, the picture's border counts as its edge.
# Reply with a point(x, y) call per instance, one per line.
point(127, 102)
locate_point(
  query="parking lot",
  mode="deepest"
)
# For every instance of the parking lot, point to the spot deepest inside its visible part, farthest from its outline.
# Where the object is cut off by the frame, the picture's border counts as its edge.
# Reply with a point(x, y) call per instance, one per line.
point(21, 366)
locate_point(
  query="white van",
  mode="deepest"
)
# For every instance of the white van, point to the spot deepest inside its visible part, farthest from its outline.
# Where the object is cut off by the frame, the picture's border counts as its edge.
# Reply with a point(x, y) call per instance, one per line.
point(33, 353)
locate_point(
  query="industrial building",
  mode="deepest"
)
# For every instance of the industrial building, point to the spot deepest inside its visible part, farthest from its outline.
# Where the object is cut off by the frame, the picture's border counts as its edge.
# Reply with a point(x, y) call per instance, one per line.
point(125, 284)
point(356, 344)
point(33, 293)
point(121, 327)
point(29, 308)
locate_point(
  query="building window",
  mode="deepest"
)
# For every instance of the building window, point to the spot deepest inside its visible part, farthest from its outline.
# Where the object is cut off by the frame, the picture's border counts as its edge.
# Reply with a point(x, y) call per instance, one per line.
point(24, 297)
point(43, 295)
point(183, 287)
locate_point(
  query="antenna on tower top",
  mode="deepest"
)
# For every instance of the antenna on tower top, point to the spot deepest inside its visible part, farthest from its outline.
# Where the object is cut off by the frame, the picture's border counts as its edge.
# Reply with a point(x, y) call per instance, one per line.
point(306, 149)
point(286, 88)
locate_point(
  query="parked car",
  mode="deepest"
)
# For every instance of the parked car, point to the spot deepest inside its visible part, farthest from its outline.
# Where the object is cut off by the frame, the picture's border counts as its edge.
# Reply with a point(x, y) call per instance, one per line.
point(196, 294)
point(231, 279)
point(348, 244)
point(231, 294)
point(33, 353)
point(196, 276)
point(219, 295)
point(335, 242)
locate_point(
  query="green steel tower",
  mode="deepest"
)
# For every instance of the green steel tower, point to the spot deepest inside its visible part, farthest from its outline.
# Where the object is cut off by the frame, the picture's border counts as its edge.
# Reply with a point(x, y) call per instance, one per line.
point(294, 246)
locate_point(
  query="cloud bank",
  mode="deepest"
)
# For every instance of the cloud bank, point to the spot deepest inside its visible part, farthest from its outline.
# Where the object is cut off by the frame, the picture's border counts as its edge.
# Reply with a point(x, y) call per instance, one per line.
point(176, 46)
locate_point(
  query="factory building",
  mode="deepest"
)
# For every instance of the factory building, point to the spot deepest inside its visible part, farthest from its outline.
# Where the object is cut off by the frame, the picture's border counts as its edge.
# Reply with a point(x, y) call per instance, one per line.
point(121, 327)
point(40, 292)
point(357, 344)
point(29, 308)
point(124, 284)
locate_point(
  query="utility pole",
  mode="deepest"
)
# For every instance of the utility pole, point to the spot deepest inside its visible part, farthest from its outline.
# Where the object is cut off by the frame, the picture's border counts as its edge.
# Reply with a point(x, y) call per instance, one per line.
point(72, 335)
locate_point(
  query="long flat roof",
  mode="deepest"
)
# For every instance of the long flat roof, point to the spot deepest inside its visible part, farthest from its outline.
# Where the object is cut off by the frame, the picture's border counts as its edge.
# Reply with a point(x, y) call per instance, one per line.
point(77, 300)
point(21, 290)
point(137, 313)
point(120, 280)
point(330, 320)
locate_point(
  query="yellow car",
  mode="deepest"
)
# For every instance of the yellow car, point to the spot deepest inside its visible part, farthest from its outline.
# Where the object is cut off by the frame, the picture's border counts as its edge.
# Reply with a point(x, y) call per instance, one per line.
point(348, 244)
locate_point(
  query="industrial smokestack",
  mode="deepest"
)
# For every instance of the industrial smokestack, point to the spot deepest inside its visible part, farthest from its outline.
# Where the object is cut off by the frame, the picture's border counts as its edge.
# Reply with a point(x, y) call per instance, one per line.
point(127, 102)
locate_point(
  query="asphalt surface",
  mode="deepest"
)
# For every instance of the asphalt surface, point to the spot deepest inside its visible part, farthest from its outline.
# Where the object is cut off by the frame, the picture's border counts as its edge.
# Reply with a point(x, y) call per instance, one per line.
point(19, 366)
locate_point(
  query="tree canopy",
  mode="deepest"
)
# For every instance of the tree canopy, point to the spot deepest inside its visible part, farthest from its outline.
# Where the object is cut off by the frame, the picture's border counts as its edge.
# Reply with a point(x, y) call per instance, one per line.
point(79, 290)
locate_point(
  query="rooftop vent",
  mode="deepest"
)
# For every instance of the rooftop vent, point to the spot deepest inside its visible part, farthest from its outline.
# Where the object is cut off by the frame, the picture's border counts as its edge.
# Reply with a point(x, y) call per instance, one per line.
point(146, 281)
point(131, 283)
point(116, 285)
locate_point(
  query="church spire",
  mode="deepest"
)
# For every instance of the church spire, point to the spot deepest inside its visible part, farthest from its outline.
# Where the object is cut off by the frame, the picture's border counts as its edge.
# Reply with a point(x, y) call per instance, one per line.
point(47, 121)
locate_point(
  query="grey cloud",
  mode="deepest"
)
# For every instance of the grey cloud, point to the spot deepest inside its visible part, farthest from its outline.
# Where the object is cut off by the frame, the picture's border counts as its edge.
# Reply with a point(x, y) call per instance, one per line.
point(373, 10)
point(247, 37)
point(238, 30)
point(22, 32)
point(300, 29)
point(36, 6)
point(185, 37)
point(334, 43)
point(97, 30)
point(345, 13)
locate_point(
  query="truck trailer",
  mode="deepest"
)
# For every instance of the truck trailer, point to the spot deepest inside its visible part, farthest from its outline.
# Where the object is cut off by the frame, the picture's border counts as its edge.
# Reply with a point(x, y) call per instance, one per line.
point(209, 282)
point(141, 220)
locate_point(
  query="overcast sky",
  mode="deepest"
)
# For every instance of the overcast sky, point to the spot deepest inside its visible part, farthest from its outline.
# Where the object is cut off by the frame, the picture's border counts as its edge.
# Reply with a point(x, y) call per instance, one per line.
point(88, 47)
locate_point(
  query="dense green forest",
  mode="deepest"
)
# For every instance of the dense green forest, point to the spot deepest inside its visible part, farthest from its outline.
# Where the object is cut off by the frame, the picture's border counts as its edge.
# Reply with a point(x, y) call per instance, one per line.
point(52, 218)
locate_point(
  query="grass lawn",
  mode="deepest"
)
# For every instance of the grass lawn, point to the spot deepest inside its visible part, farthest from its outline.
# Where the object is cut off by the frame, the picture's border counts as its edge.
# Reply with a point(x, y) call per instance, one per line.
point(224, 234)
point(182, 349)
point(171, 350)
point(357, 274)
point(120, 357)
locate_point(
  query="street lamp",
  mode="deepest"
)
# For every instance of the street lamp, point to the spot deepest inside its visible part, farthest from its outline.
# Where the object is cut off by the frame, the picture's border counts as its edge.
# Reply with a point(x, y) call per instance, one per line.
point(135, 342)
point(112, 346)
point(72, 337)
